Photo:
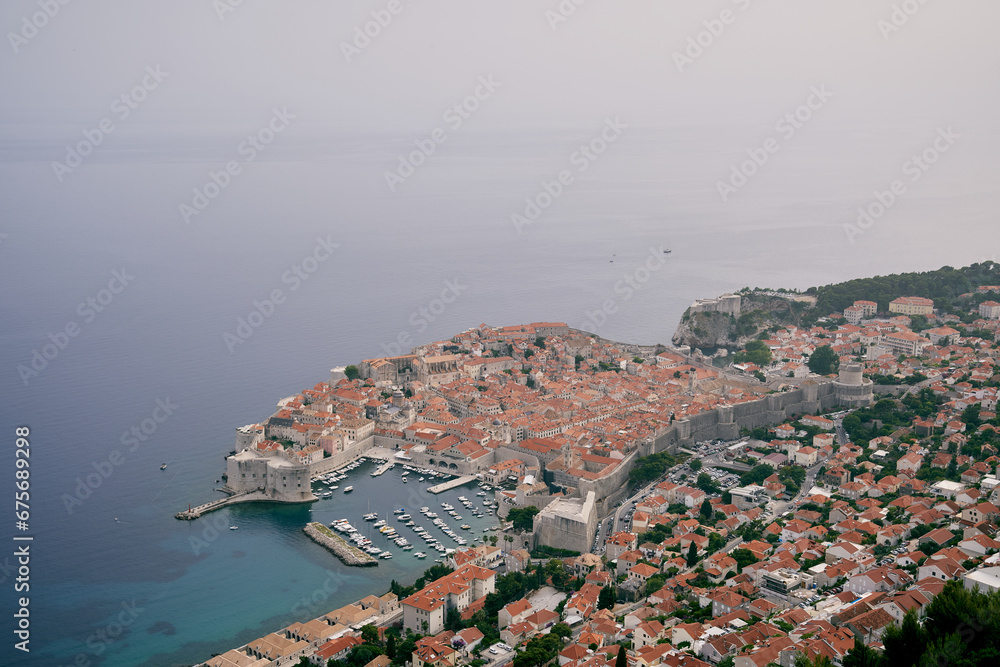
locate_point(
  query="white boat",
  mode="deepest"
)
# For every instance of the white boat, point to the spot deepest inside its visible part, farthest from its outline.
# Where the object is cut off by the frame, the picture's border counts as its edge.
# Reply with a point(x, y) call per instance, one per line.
point(385, 554)
point(233, 527)
point(420, 554)
point(404, 517)
point(399, 511)
point(348, 489)
point(334, 487)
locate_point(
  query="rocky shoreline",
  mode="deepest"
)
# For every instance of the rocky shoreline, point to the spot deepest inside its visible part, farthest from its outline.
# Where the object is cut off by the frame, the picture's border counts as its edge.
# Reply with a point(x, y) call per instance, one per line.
point(347, 554)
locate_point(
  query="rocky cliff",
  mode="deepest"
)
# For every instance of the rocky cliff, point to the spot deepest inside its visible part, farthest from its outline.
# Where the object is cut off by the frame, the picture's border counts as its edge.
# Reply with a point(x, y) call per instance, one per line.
point(709, 330)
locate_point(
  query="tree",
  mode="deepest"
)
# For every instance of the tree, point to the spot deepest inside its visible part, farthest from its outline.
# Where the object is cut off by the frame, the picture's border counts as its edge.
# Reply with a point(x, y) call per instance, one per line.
point(743, 557)
point(862, 656)
point(607, 597)
point(757, 474)
point(523, 517)
point(390, 647)
point(692, 557)
point(369, 634)
point(755, 352)
point(622, 659)
point(905, 643)
point(561, 630)
point(706, 483)
point(352, 372)
point(695, 465)
point(818, 660)
point(706, 509)
point(540, 342)
point(823, 360)
point(715, 542)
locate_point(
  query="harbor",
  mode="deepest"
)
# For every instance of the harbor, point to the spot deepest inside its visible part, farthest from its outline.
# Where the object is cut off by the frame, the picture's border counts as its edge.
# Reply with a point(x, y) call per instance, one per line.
point(394, 515)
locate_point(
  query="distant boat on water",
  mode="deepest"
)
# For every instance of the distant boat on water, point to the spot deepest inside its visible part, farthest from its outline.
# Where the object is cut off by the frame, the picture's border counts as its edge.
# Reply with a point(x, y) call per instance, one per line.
point(163, 467)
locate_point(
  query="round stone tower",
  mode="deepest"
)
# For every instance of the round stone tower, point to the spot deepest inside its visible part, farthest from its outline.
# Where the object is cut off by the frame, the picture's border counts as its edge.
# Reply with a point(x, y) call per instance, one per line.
point(852, 388)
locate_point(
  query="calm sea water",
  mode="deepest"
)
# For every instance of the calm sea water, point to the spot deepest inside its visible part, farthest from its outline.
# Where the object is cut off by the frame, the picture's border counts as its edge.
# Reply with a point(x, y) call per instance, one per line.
point(119, 554)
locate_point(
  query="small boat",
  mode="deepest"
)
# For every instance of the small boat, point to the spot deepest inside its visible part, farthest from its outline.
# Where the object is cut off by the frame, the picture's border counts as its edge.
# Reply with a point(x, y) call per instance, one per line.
point(233, 527)
point(385, 554)
point(420, 554)
point(334, 488)
point(404, 517)
point(421, 479)
point(465, 526)
point(348, 489)
point(401, 510)
point(163, 467)
point(371, 516)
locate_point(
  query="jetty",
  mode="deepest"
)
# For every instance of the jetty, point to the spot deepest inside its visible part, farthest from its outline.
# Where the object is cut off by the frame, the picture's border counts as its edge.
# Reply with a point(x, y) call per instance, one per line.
point(451, 484)
point(246, 497)
point(383, 468)
point(341, 548)
point(193, 513)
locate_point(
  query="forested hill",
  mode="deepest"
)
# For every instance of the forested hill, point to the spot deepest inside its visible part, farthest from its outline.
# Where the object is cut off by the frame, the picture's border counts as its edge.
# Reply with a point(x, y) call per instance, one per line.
point(766, 310)
point(942, 285)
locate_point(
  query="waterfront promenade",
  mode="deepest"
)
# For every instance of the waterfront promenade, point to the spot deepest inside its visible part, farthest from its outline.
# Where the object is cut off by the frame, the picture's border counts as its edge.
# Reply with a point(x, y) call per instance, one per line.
point(246, 497)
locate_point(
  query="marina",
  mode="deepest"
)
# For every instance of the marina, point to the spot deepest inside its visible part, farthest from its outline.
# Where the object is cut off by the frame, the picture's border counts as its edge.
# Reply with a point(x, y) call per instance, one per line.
point(389, 531)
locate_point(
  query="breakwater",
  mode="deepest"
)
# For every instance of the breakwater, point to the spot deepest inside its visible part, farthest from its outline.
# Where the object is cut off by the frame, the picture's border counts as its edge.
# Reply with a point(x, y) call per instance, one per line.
point(347, 554)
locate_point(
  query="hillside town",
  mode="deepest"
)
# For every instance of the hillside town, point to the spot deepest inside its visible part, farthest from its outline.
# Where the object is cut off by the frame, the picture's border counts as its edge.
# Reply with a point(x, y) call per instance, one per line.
point(820, 539)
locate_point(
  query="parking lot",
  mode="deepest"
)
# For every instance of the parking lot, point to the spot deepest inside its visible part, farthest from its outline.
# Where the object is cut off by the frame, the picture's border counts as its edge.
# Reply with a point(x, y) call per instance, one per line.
point(498, 654)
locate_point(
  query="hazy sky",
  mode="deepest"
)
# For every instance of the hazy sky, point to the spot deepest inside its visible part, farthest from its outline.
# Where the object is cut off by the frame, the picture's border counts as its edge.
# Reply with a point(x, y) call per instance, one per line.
point(606, 58)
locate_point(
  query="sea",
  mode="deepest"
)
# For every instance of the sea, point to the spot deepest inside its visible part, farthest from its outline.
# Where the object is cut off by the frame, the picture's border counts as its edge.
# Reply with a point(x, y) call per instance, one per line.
point(135, 334)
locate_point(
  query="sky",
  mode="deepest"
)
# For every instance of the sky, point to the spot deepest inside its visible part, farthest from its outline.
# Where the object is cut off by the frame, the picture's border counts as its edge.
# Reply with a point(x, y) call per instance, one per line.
point(566, 64)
